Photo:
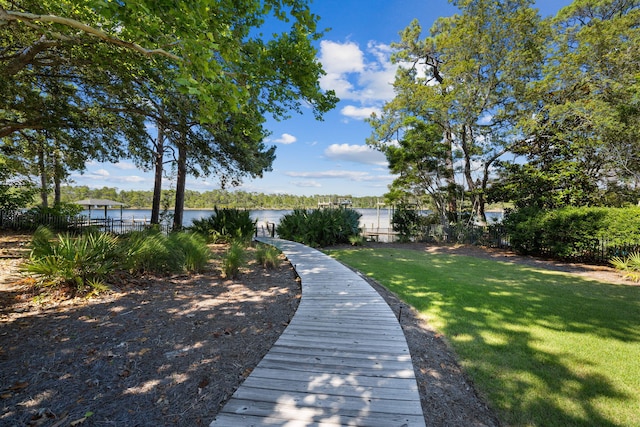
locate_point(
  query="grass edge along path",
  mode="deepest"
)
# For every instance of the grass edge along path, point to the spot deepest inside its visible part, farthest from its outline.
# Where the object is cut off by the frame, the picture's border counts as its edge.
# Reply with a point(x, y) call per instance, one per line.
point(545, 348)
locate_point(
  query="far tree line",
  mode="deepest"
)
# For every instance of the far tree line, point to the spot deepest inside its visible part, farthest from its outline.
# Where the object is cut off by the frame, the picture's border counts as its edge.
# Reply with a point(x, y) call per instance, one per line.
point(140, 199)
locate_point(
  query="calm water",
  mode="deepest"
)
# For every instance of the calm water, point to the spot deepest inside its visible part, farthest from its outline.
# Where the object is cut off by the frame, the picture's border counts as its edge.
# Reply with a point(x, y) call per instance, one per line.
point(371, 218)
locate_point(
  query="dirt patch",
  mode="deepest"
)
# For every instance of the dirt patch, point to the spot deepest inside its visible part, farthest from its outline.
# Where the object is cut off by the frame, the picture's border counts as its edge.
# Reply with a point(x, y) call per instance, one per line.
point(167, 351)
point(156, 351)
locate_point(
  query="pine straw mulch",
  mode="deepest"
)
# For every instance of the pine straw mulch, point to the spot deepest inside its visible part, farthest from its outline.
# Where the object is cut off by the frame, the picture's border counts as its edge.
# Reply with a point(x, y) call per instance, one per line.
point(155, 351)
point(169, 351)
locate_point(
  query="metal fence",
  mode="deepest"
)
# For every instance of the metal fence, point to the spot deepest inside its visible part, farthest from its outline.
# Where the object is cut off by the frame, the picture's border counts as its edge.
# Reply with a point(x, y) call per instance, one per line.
point(29, 221)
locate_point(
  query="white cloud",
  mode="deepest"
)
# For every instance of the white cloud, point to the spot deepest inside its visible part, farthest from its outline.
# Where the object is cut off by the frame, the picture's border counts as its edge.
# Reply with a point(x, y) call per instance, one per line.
point(333, 174)
point(307, 184)
point(286, 139)
point(341, 58)
point(100, 173)
point(125, 166)
point(355, 153)
point(358, 75)
point(360, 113)
point(133, 179)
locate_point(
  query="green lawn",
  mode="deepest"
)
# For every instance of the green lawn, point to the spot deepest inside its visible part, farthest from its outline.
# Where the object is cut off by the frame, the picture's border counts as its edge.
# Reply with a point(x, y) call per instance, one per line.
point(545, 348)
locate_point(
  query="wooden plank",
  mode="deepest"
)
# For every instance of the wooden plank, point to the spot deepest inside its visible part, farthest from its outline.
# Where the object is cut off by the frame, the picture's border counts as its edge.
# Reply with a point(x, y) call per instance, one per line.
point(309, 378)
point(326, 352)
point(291, 413)
point(329, 384)
point(342, 361)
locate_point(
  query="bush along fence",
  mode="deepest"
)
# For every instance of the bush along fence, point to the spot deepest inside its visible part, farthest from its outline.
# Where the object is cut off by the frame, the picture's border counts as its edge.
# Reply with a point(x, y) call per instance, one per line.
point(29, 221)
point(597, 251)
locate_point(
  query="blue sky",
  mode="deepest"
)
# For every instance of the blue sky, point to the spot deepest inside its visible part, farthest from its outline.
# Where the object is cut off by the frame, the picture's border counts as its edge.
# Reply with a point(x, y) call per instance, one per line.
point(330, 156)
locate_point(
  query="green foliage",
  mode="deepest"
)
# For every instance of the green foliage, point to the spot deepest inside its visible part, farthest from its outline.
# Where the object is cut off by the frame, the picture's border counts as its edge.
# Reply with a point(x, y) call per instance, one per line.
point(233, 259)
point(225, 225)
point(42, 242)
point(81, 262)
point(320, 227)
point(356, 240)
point(459, 101)
point(152, 251)
point(16, 191)
point(408, 222)
point(268, 256)
point(571, 232)
point(193, 249)
point(630, 265)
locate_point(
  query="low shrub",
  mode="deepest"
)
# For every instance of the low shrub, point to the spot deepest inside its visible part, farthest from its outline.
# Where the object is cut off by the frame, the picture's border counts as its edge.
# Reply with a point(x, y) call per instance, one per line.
point(408, 222)
point(320, 227)
point(195, 252)
point(233, 260)
point(82, 262)
point(152, 251)
point(225, 225)
point(267, 256)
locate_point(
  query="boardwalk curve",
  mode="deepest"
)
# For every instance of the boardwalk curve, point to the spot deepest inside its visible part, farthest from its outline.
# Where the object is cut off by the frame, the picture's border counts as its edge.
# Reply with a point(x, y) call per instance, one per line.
point(342, 361)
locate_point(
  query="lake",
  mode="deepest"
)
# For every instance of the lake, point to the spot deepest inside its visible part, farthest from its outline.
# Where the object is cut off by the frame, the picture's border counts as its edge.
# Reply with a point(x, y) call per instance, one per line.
point(371, 218)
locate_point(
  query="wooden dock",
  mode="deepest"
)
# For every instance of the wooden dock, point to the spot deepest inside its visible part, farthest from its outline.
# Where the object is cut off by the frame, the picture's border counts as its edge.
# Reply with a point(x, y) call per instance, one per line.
point(342, 361)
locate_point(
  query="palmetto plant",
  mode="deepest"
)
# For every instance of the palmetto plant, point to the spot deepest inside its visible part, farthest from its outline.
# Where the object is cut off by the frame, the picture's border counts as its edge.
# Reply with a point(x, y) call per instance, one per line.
point(79, 261)
point(225, 225)
point(630, 265)
point(152, 251)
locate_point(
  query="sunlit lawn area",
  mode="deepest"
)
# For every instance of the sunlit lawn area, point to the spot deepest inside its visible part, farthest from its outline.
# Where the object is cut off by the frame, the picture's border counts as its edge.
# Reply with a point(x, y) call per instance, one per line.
point(545, 348)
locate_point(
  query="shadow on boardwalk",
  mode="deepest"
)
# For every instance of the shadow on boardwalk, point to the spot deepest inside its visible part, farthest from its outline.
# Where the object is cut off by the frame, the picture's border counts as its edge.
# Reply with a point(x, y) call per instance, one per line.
point(343, 360)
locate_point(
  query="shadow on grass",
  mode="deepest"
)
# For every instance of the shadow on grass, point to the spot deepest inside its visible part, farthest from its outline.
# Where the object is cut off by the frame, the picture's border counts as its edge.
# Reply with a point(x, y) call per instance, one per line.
point(545, 347)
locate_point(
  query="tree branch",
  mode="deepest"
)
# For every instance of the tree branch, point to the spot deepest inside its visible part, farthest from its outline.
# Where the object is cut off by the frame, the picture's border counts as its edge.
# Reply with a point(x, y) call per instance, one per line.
point(6, 15)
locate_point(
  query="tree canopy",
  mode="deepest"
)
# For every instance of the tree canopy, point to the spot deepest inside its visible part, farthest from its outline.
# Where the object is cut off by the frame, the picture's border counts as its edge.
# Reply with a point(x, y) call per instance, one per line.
point(535, 112)
point(96, 66)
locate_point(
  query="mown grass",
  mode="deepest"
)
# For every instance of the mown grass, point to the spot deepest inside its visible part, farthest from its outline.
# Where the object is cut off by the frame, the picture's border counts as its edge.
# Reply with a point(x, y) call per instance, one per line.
point(545, 348)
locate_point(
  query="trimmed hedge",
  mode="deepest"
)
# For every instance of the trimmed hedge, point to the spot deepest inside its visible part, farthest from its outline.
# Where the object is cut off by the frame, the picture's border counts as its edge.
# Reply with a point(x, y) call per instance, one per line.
point(572, 232)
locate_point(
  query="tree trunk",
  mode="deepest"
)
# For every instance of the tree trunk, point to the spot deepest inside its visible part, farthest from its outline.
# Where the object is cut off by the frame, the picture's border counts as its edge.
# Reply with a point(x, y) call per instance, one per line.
point(157, 183)
point(44, 179)
point(58, 169)
point(476, 193)
point(452, 207)
point(181, 182)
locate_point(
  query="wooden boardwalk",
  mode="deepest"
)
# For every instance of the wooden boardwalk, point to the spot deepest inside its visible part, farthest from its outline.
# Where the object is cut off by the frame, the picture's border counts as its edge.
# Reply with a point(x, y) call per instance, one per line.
point(342, 361)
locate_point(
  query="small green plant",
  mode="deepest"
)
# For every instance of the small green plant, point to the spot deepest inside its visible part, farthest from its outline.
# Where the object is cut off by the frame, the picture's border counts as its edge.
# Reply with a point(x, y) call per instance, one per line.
point(268, 256)
point(233, 260)
point(630, 265)
point(81, 262)
point(194, 250)
point(356, 240)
